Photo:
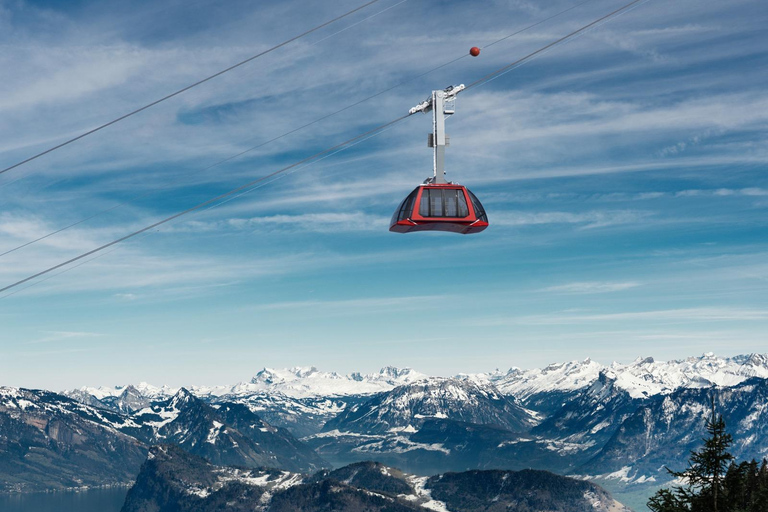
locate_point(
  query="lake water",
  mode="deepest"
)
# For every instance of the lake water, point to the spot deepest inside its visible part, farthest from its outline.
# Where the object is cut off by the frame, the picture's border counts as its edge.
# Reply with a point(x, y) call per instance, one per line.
point(97, 500)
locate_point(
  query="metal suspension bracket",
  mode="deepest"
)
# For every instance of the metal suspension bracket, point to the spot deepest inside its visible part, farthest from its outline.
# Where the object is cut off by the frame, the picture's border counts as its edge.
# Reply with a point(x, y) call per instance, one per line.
point(442, 103)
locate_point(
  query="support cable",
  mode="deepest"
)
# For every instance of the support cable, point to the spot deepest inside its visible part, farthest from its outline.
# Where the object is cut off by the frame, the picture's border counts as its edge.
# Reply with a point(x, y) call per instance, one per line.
point(152, 104)
point(530, 56)
point(211, 207)
point(206, 203)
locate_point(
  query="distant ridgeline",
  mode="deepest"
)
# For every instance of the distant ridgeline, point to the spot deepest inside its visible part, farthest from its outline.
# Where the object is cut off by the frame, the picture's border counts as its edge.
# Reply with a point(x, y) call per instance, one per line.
point(616, 425)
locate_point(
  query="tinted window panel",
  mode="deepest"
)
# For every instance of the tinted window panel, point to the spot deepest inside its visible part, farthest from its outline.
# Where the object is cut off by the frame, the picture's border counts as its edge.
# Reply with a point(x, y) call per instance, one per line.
point(436, 203)
point(404, 210)
point(424, 206)
point(451, 203)
point(479, 210)
point(443, 203)
point(463, 209)
point(407, 206)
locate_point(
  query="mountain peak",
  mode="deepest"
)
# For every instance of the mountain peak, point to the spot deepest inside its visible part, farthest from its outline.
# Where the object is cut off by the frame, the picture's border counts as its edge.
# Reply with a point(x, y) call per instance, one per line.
point(434, 397)
point(130, 390)
point(182, 398)
point(393, 371)
point(304, 371)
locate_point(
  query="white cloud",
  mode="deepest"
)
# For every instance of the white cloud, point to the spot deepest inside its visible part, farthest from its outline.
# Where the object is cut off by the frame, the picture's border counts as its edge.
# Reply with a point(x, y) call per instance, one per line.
point(588, 220)
point(62, 336)
point(591, 287)
point(703, 314)
point(362, 304)
point(327, 222)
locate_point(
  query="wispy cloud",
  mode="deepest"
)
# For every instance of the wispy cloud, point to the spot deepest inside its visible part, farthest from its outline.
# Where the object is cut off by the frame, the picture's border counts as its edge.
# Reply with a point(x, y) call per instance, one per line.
point(352, 306)
point(723, 192)
point(591, 287)
point(326, 222)
point(705, 314)
point(587, 220)
point(63, 336)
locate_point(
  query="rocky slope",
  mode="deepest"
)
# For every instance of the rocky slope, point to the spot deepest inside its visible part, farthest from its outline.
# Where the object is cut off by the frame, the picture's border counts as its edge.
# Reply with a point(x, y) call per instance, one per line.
point(48, 441)
point(662, 432)
point(461, 400)
point(172, 479)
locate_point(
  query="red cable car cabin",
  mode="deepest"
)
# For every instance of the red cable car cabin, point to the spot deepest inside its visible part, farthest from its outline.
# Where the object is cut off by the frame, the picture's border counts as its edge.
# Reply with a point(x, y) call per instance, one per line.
point(440, 207)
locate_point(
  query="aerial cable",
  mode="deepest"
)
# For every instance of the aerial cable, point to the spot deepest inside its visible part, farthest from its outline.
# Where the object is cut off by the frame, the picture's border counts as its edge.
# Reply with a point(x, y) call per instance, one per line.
point(209, 201)
point(152, 104)
point(211, 207)
point(322, 118)
point(250, 184)
point(329, 36)
point(297, 169)
point(509, 67)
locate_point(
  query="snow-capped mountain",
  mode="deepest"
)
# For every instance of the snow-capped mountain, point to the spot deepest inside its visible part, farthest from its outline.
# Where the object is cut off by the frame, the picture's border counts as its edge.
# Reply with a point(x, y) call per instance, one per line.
point(144, 389)
point(647, 377)
point(229, 434)
point(301, 382)
point(643, 377)
point(296, 382)
point(302, 416)
point(590, 417)
point(51, 442)
point(662, 431)
point(437, 397)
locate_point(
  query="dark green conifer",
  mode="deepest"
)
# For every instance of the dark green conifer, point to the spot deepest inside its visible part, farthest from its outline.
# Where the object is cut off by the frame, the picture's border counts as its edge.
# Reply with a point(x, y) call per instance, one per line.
point(703, 489)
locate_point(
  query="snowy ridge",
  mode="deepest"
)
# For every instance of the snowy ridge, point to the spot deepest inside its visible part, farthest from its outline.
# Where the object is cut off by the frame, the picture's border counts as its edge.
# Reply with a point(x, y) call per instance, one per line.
point(568, 376)
point(641, 378)
point(303, 382)
point(296, 382)
point(146, 390)
point(435, 397)
point(647, 377)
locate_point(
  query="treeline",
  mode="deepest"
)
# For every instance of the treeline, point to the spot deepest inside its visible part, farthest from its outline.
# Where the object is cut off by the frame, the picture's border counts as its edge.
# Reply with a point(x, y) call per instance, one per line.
point(714, 482)
point(746, 487)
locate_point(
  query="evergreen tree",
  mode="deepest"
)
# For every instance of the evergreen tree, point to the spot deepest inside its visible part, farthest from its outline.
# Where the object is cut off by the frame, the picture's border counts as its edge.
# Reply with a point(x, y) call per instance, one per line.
point(760, 496)
point(668, 501)
point(707, 468)
point(703, 490)
point(735, 486)
point(751, 485)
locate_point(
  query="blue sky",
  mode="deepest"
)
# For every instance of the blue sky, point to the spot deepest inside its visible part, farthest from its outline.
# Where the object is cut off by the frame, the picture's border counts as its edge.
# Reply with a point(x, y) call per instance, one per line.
point(624, 175)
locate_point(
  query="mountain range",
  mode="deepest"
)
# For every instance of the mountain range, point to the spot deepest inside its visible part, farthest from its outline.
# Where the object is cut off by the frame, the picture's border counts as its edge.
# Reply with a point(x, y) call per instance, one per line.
point(617, 424)
point(641, 378)
point(49, 441)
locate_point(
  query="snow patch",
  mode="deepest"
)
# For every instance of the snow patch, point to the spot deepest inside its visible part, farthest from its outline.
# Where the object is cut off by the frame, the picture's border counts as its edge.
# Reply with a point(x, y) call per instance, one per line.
point(419, 483)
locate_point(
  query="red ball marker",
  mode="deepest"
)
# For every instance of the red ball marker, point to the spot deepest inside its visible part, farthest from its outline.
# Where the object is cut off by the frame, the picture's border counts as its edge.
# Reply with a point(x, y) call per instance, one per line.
point(474, 51)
